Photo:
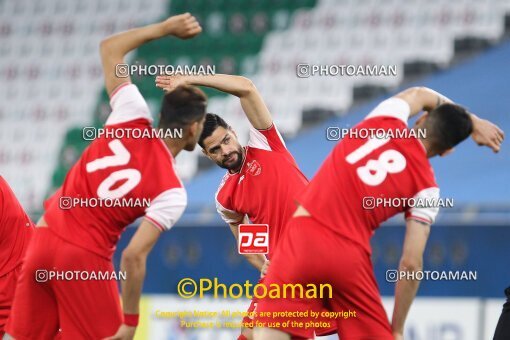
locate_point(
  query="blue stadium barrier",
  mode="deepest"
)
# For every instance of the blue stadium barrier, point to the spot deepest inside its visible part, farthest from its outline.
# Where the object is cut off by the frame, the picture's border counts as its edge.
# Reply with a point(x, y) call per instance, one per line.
point(209, 252)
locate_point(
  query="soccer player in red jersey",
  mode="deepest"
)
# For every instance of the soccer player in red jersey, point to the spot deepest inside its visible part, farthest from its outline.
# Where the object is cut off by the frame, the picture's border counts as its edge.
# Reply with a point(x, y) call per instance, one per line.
point(261, 179)
point(327, 239)
point(15, 231)
point(82, 239)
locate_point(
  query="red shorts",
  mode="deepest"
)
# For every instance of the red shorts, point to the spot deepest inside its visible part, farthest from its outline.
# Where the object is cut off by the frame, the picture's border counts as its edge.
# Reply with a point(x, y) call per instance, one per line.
point(7, 288)
point(252, 310)
point(68, 309)
point(310, 253)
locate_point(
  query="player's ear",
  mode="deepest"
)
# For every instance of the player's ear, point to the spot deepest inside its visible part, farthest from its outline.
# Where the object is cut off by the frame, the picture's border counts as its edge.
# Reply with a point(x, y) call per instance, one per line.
point(193, 129)
point(447, 152)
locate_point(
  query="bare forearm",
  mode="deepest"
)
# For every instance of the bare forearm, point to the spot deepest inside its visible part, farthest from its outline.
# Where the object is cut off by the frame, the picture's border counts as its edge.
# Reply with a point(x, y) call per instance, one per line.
point(256, 260)
point(252, 103)
point(114, 48)
point(405, 292)
point(132, 286)
point(234, 85)
point(422, 99)
point(120, 44)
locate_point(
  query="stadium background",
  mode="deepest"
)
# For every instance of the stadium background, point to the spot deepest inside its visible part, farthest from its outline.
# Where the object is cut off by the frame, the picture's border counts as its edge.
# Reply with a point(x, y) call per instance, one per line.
point(51, 87)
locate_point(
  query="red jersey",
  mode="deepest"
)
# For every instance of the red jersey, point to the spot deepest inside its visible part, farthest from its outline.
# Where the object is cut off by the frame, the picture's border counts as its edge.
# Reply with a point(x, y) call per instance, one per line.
point(134, 176)
point(358, 169)
point(265, 186)
point(15, 229)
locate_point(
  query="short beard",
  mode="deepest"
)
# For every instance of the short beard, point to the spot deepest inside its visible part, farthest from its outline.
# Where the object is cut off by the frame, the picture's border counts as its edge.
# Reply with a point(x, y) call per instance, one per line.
point(235, 166)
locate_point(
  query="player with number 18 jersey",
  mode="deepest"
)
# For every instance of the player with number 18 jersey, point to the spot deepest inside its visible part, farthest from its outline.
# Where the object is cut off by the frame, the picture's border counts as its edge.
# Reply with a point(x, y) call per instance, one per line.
point(343, 219)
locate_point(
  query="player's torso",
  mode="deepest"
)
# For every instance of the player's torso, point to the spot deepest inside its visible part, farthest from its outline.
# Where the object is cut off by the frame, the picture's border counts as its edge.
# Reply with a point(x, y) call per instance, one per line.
point(361, 172)
point(264, 189)
point(390, 168)
point(116, 178)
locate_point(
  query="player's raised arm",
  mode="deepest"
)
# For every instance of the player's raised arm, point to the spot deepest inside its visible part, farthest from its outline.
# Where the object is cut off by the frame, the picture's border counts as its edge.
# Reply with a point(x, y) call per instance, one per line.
point(420, 99)
point(252, 103)
point(114, 48)
point(417, 234)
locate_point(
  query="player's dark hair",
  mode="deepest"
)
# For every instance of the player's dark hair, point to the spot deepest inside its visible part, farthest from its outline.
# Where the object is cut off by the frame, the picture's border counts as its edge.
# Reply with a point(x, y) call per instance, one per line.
point(212, 122)
point(182, 106)
point(446, 126)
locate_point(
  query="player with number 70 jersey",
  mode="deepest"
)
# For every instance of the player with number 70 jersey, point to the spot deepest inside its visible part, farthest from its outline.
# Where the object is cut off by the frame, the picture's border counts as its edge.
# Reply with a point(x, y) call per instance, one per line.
point(117, 179)
point(136, 175)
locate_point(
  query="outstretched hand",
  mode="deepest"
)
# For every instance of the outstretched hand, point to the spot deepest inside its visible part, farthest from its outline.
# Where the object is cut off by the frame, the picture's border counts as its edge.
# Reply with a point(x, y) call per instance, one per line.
point(170, 83)
point(184, 26)
point(487, 134)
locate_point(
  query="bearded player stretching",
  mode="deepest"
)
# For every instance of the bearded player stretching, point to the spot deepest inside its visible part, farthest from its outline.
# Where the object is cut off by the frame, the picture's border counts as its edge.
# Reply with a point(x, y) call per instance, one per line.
point(327, 240)
point(83, 239)
point(262, 178)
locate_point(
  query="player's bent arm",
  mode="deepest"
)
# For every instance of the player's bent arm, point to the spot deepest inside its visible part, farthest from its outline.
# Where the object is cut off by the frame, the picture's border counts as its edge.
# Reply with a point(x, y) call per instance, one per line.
point(417, 233)
point(256, 260)
point(114, 48)
point(133, 263)
point(422, 99)
point(251, 101)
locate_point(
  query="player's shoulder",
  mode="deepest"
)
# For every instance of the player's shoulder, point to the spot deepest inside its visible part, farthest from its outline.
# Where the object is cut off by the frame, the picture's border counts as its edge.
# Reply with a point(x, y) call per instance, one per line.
point(383, 122)
point(224, 184)
point(127, 104)
point(3, 184)
point(4, 189)
point(392, 107)
point(268, 139)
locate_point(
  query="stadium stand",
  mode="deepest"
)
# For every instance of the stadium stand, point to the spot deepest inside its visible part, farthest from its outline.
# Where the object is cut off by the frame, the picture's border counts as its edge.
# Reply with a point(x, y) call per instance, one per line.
point(230, 42)
point(51, 86)
point(267, 40)
point(50, 77)
point(483, 77)
point(471, 237)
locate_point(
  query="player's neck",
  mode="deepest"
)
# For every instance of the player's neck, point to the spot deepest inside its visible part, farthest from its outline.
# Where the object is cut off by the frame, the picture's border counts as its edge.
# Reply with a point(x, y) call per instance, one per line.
point(174, 146)
point(426, 147)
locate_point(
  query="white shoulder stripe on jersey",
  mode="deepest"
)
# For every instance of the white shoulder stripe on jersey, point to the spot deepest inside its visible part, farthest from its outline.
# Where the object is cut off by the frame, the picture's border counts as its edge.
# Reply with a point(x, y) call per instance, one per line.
point(258, 140)
point(166, 209)
point(128, 104)
point(227, 215)
point(392, 107)
point(427, 214)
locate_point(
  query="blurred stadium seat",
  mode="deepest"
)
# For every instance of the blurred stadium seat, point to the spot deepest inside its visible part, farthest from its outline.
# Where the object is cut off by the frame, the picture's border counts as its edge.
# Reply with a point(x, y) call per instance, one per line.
point(51, 86)
point(49, 59)
point(261, 39)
